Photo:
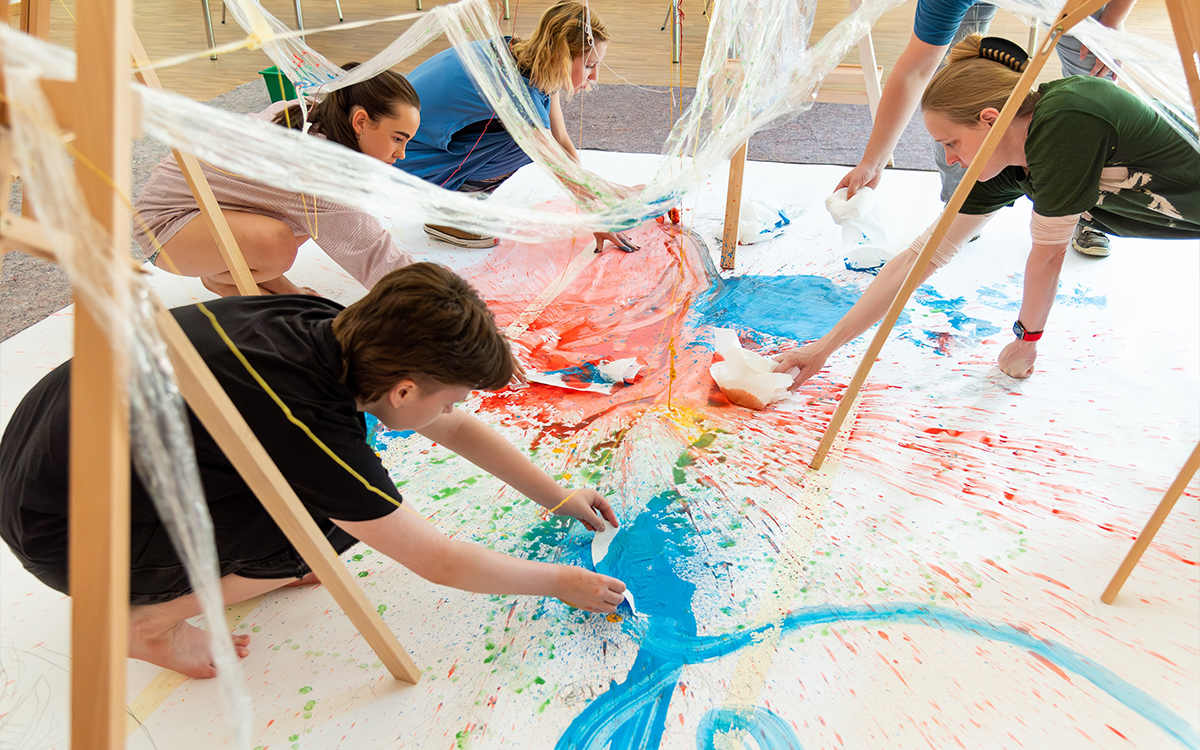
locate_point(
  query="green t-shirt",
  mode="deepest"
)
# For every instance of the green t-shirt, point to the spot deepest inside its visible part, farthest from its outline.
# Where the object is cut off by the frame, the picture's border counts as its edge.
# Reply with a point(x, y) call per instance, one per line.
point(1096, 149)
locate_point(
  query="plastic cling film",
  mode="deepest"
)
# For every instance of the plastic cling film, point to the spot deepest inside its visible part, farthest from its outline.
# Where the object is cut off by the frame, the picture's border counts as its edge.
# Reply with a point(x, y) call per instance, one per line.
point(118, 296)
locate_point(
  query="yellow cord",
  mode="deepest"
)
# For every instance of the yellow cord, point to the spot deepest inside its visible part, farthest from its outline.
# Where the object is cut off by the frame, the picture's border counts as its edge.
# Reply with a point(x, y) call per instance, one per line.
point(564, 501)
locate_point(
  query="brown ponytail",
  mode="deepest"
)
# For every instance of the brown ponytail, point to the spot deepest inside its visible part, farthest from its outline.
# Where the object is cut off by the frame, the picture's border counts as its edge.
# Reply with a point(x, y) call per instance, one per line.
point(560, 35)
point(973, 81)
point(377, 96)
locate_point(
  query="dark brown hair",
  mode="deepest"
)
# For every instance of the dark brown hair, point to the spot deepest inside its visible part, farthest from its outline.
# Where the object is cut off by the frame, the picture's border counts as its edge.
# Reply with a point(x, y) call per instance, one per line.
point(421, 320)
point(377, 96)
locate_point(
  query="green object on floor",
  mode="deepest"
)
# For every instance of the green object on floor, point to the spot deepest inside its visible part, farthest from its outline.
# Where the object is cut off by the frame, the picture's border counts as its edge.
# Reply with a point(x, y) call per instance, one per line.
point(278, 86)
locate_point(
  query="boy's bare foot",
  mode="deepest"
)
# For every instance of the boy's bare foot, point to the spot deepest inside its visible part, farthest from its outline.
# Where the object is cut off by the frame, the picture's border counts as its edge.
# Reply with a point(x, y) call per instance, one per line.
point(182, 648)
point(219, 288)
point(281, 285)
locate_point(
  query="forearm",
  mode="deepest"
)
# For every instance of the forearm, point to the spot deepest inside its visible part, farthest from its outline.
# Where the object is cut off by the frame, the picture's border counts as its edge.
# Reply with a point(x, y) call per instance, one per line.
point(900, 97)
point(871, 306)
point(1116, 12)
point(484, 447)
point(1041, 284)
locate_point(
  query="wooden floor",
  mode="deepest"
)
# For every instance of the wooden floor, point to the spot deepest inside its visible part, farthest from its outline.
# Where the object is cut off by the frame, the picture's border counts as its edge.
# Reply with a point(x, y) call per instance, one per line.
point(640, 52)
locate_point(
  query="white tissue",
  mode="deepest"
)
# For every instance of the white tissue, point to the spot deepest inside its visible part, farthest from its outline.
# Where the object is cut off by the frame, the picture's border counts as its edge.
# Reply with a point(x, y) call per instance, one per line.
point(747, 378)
point(620, 370)
point(759, 221)
point(600, 543)
point(862, 228)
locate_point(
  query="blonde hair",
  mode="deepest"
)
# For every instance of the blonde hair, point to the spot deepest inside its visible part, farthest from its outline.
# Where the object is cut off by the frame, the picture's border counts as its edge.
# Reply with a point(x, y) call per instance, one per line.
point(969, 84)
point(561, 34)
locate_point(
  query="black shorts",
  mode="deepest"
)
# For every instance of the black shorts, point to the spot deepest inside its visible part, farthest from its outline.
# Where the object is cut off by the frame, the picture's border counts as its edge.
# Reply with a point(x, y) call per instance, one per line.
point(156, 575)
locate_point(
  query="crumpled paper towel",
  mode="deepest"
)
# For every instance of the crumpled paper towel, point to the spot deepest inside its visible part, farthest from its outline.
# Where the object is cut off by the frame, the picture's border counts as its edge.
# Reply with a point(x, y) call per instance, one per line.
point(862, 228)
point(747, 378)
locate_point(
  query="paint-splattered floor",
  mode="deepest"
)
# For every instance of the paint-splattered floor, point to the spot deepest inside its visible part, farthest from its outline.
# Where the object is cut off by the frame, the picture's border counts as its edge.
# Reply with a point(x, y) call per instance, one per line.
point(935, 585)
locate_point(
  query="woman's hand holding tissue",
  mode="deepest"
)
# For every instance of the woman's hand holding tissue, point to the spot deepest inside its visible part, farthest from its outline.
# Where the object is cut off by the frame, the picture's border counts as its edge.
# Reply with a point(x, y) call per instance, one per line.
point(863, 175)
point(806, 360)
point(587, 507)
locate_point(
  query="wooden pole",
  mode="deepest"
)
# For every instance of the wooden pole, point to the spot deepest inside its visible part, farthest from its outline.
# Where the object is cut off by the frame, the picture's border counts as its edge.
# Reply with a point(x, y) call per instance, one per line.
point(1185, 21)
point(1156, 520)
point(237, 441)
point(189, 165)
point(733, 209)
point(99, 463)
point(1074, 12)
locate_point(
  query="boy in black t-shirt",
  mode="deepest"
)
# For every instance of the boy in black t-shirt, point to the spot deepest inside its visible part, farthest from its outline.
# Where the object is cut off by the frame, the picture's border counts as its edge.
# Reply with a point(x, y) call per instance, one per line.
point(419, 342)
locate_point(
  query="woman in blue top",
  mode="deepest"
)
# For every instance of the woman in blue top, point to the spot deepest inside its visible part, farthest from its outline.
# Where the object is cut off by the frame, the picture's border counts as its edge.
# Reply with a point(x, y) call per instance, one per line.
point(463, 145)
point(937, 26)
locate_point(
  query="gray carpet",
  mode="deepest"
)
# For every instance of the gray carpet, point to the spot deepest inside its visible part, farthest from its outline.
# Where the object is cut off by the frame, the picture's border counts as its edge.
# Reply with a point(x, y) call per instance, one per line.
point(616, 117)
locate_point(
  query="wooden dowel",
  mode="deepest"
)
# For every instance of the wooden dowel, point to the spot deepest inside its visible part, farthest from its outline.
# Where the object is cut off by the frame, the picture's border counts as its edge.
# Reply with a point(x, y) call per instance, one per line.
point(1075, 11)
point(733, 209)
point(1156, 520)
point(99, 444)
point(210, 210)
point(237, 441)
point(1185, 22)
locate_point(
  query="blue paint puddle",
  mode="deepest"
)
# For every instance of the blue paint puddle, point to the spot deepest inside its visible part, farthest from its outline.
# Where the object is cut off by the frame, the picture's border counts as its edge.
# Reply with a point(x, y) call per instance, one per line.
point(632, 714)
point(953, 310)
point(801, 308)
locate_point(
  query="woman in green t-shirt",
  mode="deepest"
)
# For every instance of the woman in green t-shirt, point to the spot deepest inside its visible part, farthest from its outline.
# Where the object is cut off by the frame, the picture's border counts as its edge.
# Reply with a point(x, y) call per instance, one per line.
point(1081, 148)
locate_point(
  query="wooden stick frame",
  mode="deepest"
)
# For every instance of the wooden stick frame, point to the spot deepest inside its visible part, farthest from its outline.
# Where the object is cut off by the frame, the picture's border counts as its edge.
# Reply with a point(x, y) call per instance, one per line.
point(1185, 19)
point(99, 462)
point(872, 91)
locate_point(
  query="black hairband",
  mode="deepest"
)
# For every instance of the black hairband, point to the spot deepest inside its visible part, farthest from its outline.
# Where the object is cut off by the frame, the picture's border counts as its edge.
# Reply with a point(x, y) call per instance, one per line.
point(998, 49)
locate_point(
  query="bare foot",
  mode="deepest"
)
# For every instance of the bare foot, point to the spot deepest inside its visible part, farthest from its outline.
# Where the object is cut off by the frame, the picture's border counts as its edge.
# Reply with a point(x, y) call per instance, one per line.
point(308, 580)
point(219, 288)
point(282, 285)
point(182, 648)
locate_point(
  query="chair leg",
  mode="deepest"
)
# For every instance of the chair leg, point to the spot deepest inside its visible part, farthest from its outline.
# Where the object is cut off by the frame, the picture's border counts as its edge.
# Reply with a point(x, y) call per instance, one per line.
point(338, 4)
point(212, 40)
point(667, 18)
point(224, 8)
point(299, 18)
point(419, 6)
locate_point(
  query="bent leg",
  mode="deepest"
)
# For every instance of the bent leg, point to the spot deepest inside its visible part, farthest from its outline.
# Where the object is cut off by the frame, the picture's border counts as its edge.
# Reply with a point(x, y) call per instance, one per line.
point(268, 245)
point(160, 634)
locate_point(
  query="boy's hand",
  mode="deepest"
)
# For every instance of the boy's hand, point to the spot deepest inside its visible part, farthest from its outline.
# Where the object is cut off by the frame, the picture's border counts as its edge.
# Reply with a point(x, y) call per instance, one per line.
point(587, 507)
point(589, 591)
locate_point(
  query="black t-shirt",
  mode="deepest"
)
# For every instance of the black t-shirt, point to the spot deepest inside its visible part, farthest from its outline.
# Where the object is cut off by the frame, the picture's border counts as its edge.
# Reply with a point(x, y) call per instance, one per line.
point(289, 341)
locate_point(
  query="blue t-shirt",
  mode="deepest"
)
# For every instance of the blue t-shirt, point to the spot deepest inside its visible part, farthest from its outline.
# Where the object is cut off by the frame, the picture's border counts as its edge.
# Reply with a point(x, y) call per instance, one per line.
point(456, 142)
point(937, 20)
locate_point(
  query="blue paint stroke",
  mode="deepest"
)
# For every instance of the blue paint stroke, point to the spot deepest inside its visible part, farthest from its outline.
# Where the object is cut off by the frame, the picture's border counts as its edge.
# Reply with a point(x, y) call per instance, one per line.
point(379, 437)
point(953, 310)
point(632, 713)
point(801, 308)
point(768, 730)
point(997, 296)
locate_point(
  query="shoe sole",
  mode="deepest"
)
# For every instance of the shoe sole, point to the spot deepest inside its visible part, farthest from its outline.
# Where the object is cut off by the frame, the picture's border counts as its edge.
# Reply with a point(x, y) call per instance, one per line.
point(1092, 252)
point(460, 242)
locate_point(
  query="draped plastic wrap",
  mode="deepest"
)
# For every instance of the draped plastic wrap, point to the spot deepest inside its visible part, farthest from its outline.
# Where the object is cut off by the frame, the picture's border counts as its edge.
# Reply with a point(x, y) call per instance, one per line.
point(119, 297)
point(772, 77)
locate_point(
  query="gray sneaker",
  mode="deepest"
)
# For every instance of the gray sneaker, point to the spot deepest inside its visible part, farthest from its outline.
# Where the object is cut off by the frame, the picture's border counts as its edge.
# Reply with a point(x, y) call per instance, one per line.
point(460, 238)
point(1091, 242)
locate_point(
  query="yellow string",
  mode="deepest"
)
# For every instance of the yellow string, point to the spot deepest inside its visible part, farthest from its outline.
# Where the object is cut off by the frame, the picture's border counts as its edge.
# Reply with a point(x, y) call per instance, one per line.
point(564, 501)
point(68, 10)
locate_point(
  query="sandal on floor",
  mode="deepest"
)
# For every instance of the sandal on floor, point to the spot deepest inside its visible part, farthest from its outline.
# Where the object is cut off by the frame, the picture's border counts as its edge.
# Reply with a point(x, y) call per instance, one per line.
point(459, 238)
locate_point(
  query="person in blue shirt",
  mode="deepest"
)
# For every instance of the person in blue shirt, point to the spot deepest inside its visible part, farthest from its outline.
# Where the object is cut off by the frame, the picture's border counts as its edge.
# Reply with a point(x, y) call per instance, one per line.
point(938, 25)
point(462, 144)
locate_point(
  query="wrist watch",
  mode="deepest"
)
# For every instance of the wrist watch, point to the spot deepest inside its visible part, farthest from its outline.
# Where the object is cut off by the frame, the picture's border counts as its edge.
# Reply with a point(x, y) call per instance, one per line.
point(1023, 335)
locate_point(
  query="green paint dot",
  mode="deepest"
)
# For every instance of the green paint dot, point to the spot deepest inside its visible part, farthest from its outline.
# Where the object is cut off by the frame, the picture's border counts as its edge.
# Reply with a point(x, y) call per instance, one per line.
point(306, 690)
point(308, 716)
point(309, 706)
point(381, 608)
point(257, 628)
point(293, 738)
point(363, 574)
